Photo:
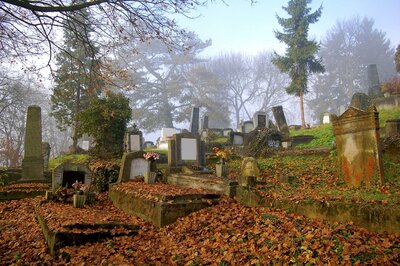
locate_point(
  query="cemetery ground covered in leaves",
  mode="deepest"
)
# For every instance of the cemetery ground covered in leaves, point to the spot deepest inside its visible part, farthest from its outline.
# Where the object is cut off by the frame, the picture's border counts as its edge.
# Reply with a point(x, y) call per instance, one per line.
point(225, 234)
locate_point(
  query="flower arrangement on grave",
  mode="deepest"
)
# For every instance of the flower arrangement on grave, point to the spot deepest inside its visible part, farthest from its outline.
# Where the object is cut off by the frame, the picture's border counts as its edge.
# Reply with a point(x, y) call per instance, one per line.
point(151, 156)
point(62, 194)
point(222, 154)
point(79, 188)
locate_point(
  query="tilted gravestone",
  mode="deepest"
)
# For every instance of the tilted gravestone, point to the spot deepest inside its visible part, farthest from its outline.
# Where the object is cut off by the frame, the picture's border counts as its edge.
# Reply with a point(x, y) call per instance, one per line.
point(361, 101)
point(358, 147)
point(32, 164)
point(194, 121)
point(373, 81)
point(280, 119)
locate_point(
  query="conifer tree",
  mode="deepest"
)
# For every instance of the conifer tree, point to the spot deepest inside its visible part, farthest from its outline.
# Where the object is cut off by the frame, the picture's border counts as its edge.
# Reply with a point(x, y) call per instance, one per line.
point(299, 60)
point(77, 78)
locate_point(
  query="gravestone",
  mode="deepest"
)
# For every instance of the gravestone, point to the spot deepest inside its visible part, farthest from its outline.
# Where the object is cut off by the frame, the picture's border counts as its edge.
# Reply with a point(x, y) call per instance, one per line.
point(326, 118)
point(85, 142)
point(32, 163)
point(133, 164)
point(361, 101)
point(133, 139)
point(373, 81)
point(65, 174)
point(166, 133)
point(358, 147)
point(148, 144)
point(392, 128)
point(237, 138)
point(46, 155)
point(260, 120)
point(185, 148)
point(247, 126)
point(280, 119)
point(226, 132)
point(194, 121)
point(205, 123)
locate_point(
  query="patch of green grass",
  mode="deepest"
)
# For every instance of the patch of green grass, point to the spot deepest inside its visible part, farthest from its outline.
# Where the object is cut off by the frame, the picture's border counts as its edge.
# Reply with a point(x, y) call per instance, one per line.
point(384, 115)
point(323, 135)
point(165, 152)
point(73, 158)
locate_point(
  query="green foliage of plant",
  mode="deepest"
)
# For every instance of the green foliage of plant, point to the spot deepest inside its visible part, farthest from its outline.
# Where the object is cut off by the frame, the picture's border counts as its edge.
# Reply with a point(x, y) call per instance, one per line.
point(105, 120)
point(3, 178)
point(105, 172)
point(393, 113)
point(72, 158)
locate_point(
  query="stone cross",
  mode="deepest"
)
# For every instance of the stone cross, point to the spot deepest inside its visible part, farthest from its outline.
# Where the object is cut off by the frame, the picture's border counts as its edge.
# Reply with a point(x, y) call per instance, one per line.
point(32, 164)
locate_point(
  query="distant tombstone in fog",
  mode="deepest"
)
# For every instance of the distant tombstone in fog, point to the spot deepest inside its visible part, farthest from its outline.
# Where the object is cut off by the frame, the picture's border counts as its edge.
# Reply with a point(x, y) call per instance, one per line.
point(373, 81)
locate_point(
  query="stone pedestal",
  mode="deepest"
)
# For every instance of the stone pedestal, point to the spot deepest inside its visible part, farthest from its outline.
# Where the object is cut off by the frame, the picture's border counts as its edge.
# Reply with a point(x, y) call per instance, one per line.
point(358, 147)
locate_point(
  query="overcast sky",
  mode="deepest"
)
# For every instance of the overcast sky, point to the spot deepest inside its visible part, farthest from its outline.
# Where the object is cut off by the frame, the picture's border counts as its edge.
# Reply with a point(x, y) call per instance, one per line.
point(242, 27)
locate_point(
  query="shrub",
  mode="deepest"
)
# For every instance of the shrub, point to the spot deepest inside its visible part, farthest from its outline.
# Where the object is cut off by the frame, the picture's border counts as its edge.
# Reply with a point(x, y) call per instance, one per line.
point(105, 172)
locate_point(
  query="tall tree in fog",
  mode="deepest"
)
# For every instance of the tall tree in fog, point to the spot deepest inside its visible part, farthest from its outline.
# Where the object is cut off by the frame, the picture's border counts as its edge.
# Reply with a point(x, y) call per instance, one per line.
point(397, 58)
point(299, 60)
point(270, 82)
point(349, 47)
point(166, 83)
point(237, 82)
point(77, 77)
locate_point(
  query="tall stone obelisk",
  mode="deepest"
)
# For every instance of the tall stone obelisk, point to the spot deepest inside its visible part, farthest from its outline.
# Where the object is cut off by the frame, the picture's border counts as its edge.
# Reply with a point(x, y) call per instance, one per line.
point(32, 164)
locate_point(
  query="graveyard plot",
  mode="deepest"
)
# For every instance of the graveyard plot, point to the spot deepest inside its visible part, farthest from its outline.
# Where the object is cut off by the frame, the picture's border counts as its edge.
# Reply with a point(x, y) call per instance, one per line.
point(22, 190)
point(63, 225)
point(310, 185)
point(160, 204)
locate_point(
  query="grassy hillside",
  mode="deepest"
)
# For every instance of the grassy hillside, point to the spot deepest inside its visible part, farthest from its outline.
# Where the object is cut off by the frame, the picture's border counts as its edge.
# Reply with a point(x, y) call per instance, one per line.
point(324, 133)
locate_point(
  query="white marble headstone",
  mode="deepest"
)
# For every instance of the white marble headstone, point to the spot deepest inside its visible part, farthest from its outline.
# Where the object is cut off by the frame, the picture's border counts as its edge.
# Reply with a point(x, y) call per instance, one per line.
point(326, 119)
point(189, 149)
point(138, 167)
point(85, 145)
point(248, 127)
point(237, 140)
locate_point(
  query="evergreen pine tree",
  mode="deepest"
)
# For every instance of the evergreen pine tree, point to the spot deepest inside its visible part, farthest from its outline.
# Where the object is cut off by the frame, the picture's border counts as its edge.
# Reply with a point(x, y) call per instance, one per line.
point(77, 78)
point(299, 60)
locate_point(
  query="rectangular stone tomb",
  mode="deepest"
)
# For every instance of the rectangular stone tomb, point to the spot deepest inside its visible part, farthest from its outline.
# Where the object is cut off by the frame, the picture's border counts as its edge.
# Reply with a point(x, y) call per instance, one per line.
point(163, 209)
point(79, 234)
point(222, 187)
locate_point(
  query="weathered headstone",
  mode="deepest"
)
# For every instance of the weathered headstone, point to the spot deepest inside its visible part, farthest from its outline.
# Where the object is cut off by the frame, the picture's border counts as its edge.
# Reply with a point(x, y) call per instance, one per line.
point(166, 133)
point(249, 167)
point(260, 120)
point(373, 81)
point(194, 121)
point(392, 128)
point(361, 101)
point(247, 126)
point(326, 118)
point(32, 164)
point(46, 155)
point(358, 147)
point(133, 164)
point(237, 138)
point(280, 119)
point(227, 131)
point(133, 139)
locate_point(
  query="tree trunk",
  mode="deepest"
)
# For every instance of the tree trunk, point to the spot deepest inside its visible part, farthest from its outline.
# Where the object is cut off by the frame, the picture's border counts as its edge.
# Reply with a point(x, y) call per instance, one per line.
point(303, 121)
point(75, 134)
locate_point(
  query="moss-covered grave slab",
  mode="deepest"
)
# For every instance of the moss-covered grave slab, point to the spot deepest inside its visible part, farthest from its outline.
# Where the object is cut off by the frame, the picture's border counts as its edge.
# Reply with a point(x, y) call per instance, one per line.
point(160, 204)
point(374, 217)
point(23, 190)
point(63, 225)
point(205, 182)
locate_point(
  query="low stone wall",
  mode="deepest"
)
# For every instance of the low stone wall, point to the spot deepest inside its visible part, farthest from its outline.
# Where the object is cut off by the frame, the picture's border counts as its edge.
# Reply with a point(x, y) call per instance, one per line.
point(16, 195)
point(165, 211)
point(222, 187)
point(71, 236)
point(377, 218)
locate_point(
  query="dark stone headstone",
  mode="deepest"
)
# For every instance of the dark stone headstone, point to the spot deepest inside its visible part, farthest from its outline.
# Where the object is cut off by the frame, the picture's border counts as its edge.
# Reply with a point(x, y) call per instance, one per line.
point(280, 119)
point(361, 101)
point(46, 154)
point(205, 122)
point(194, 121)
point(32, 164)
point(373, 81)
point(260, 120)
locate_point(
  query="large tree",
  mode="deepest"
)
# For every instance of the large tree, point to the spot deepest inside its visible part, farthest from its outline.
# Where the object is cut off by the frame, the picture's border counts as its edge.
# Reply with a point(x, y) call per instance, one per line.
point(397, 58)
point(299, 60)
point(77, 78)
point(164, 82)
point(348, 48)
point(27, 26)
